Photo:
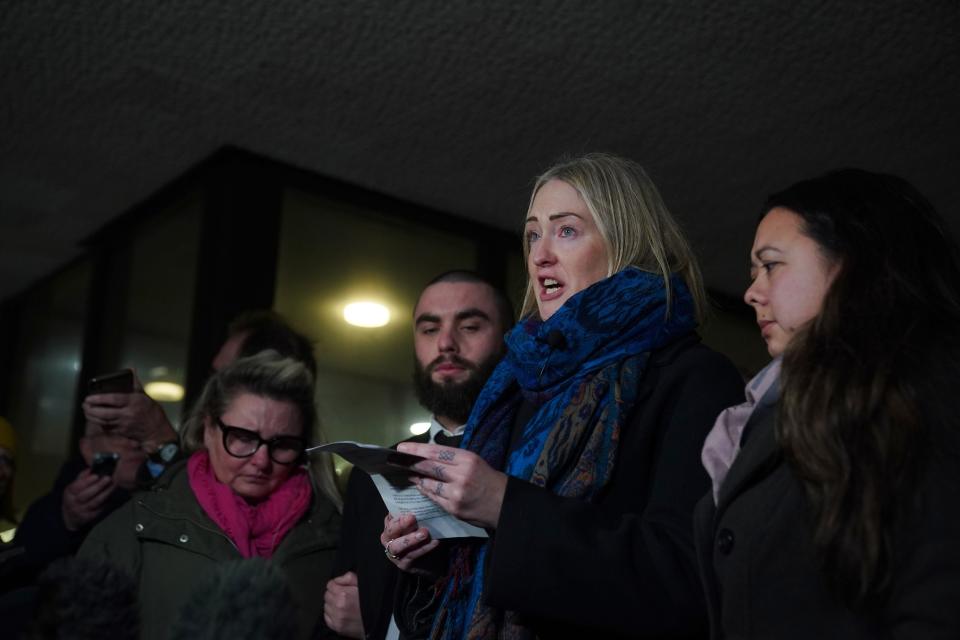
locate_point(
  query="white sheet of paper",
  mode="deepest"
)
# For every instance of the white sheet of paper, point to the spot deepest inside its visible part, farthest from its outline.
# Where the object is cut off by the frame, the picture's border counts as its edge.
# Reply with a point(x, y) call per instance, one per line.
point(385, 467)
point(401, 496)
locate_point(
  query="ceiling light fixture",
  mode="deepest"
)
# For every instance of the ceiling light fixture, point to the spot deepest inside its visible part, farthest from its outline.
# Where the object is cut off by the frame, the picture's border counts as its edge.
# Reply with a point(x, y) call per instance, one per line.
point(164, 391)
point(366, 314)
point(419, 427)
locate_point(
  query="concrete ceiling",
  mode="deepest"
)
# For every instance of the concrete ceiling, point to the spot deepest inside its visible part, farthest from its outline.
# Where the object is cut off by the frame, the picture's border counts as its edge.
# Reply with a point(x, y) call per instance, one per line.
point(457, 105)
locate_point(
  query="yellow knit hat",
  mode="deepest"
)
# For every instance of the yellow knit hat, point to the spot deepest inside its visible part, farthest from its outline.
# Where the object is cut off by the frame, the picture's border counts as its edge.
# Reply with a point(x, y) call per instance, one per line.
point(8, 438)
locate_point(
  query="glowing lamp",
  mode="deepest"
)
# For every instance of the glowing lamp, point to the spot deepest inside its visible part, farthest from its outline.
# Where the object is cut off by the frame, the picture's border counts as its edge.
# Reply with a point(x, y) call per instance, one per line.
point(366, 314)
point(419, 427)
point(164, 391)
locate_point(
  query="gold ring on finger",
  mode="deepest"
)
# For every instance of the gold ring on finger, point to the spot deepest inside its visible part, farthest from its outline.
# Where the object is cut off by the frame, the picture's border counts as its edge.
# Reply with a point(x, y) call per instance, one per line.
point(389, 554)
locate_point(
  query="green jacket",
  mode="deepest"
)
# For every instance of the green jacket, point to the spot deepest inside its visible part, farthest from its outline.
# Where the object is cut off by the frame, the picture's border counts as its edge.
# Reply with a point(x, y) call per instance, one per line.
point(165, 540)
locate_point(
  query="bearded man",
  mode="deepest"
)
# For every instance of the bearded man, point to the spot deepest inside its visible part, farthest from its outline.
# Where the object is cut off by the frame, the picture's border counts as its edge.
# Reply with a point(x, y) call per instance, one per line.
point(459, 323)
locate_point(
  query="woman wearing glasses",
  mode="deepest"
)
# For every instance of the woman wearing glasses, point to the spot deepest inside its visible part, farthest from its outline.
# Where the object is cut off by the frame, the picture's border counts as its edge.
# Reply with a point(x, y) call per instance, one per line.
point(242, 493)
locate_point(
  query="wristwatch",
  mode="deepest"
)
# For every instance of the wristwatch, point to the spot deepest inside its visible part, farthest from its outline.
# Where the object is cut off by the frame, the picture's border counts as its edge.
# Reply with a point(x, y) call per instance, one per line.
point(167, 452)
point(158, 461)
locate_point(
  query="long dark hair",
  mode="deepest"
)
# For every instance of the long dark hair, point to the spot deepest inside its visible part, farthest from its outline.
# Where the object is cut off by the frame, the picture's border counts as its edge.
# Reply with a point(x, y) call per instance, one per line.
point(850, 423)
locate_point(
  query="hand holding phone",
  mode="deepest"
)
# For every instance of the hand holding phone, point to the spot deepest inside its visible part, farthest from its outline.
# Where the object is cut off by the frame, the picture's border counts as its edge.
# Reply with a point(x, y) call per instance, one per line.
point(104, 463)
point(116, 382)
point(84, 498)
point(116, 404)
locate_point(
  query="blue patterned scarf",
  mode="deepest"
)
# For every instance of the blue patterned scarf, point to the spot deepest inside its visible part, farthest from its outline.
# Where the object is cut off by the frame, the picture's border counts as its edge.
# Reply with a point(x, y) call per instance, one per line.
point(584, 386)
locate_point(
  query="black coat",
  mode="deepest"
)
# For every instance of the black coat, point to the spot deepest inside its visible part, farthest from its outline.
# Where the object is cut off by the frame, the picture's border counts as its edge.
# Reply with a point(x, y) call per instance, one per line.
point(42, 533)
point(624, 565)
point(360, 551)
point(760, 570)
point(42, 537)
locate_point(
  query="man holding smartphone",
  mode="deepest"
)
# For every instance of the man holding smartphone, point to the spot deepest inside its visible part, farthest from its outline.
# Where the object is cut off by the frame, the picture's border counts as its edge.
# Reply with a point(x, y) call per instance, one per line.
point(111, 462)
point(122, 419)
point(91, 486)
point(117, 405)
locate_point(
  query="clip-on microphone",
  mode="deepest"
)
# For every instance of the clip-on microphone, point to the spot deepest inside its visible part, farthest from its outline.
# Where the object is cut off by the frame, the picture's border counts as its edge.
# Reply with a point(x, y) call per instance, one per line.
point(556, 341)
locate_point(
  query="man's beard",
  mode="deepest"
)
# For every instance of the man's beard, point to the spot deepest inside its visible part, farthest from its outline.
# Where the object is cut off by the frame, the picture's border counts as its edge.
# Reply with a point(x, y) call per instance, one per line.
point(452, 400)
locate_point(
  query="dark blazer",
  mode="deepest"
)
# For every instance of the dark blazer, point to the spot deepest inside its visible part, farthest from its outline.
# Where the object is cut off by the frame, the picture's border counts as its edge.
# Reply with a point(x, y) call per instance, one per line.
point(360, 551)
point(760, 571)
point(624, 565)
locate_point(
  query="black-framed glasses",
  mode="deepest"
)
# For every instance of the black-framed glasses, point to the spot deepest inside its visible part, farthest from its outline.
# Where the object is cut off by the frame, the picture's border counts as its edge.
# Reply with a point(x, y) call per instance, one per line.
point(243, 443)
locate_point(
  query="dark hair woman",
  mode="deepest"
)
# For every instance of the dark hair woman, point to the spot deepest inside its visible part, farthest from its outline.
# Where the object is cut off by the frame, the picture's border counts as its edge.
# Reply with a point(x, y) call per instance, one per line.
point(581, 454)
point(836, 484)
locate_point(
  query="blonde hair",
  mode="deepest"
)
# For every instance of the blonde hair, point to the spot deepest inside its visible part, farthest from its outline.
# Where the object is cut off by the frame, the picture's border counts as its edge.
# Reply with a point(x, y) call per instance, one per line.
point(636, 227)
point(269, 375)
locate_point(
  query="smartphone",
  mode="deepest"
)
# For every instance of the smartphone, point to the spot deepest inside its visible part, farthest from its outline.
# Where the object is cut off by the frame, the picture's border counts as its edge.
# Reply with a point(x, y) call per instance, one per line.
point(116, 382)
point(104, 463)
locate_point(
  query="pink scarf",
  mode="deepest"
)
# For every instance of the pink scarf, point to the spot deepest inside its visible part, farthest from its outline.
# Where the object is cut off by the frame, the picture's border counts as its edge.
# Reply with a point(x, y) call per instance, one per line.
point(256, 530)
point(723, 442)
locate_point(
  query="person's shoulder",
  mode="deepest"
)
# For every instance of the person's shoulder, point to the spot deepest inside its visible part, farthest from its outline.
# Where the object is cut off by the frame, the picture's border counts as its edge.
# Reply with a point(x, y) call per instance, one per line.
point(173, 478)
point(169, 494)
point(689, 354)
point(690, 373)
point(116, 526)
point(324, 518)
point(176, 471)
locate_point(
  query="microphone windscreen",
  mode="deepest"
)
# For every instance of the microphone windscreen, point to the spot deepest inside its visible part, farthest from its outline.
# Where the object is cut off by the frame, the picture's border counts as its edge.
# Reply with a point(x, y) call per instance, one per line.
point(85, 598)
point(241, 599)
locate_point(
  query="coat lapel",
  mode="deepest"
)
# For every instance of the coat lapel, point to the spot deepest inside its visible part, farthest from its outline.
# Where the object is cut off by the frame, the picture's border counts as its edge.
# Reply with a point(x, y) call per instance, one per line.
point(760, 453)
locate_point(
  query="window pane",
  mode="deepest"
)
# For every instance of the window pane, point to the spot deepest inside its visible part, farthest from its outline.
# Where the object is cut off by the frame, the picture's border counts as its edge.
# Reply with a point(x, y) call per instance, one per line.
point(43, 395)
point(156, 328)
point(333, 253)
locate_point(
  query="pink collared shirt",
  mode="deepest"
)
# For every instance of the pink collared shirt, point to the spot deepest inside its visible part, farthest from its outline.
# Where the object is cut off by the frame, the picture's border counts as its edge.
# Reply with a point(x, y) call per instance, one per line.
point(722, 445)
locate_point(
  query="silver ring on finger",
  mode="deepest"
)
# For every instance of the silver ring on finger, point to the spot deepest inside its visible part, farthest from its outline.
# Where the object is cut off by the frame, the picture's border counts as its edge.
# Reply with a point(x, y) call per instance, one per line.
point(386, 550)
